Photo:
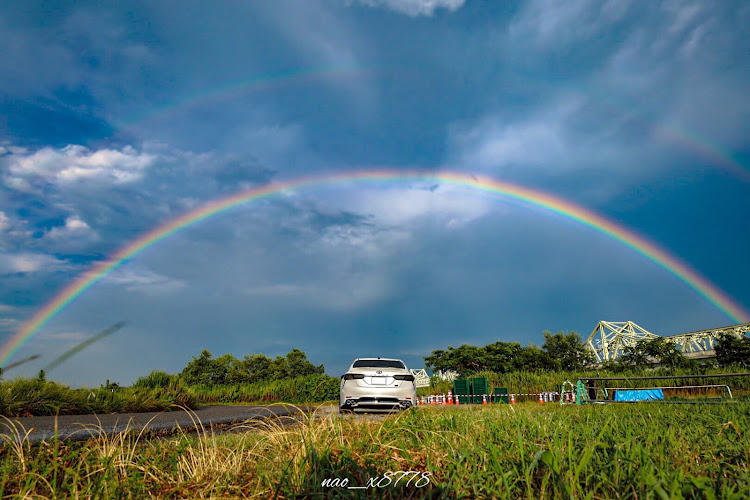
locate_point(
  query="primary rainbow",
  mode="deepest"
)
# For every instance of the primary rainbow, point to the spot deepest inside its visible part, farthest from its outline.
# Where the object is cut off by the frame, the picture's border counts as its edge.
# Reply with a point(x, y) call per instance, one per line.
point(528, 196)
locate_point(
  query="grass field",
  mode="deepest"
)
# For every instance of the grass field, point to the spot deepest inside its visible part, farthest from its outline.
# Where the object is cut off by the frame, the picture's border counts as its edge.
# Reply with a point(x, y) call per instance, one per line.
point(24, 397)
point(534, 382)
point(496, 451)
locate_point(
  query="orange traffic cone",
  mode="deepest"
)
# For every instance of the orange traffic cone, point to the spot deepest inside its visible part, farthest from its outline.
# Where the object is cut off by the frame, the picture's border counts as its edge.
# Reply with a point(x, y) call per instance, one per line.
point(484, 399)
point(541, 399)
point(450, 398)
point(512, 399)
point(456, 402)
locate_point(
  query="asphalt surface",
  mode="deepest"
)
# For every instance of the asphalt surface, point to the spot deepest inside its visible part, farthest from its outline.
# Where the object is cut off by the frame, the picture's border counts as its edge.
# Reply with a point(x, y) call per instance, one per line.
point(215, 419)
point(82, 427)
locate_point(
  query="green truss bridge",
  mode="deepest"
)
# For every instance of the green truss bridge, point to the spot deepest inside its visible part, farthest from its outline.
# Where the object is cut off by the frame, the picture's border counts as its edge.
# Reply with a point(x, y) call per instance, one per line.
point(610, 338)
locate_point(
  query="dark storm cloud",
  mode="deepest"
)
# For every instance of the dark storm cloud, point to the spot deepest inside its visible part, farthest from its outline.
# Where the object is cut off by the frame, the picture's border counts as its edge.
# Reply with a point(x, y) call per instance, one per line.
point(234, 172)
point(115, 119)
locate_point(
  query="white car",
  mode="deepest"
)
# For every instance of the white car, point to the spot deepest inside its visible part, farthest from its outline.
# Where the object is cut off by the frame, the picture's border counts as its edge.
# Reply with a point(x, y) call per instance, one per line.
point(373, 384)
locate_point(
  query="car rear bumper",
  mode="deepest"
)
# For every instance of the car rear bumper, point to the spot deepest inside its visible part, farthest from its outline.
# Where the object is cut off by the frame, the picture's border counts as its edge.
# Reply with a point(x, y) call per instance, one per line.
point(358, 398)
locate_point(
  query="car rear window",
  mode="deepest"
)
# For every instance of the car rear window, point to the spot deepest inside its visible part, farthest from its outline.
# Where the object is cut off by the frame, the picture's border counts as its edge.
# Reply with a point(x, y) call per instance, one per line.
point(377, 363)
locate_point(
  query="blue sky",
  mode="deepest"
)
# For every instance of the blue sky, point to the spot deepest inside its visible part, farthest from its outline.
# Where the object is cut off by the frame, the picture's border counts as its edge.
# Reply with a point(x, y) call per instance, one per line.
point(117, 118)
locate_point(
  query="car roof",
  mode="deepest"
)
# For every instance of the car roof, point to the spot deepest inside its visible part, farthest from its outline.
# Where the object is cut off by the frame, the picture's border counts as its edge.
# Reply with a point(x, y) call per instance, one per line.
point(382, 359)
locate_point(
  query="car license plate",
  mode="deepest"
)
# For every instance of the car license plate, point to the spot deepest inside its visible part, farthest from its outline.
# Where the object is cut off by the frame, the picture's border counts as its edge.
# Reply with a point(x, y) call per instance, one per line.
point(378, 380)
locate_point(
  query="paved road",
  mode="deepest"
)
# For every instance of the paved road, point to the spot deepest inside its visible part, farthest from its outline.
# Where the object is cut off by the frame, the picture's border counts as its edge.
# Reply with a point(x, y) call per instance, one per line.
point(82, 427)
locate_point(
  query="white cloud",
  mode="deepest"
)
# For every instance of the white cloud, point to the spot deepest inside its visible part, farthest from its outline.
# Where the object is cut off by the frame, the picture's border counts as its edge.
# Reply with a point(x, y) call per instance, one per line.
point(548, 24)
point(9, 323)
point(415, 8)
point(404, 205)
point(74, 227)
point(5, 308)
point(143, 281)
point(75, 163)
point(4, 221)
point(28, 263)
point(323, 38)
point(543, 140)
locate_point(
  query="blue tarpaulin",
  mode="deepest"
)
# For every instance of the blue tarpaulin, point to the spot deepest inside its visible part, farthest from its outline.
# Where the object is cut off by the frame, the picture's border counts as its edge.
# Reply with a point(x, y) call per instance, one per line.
point(639, 395)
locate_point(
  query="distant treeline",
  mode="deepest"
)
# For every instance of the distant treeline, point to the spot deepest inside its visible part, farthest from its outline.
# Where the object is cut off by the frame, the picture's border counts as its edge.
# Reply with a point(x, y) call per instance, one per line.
point(254, 378)
point(205, 370)
point(566, 352)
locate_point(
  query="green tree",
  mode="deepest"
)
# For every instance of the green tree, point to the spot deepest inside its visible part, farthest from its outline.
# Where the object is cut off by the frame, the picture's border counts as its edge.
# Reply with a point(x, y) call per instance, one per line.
point(297, 365)
point(634, 357)
point(464, 360)
point(657, 350)
point(251, 369)
point(260, 368)
point(498, 357)
point(438, 360)
point(731, 350)
point(204, 370)
point(532, 358)
point(567, 351)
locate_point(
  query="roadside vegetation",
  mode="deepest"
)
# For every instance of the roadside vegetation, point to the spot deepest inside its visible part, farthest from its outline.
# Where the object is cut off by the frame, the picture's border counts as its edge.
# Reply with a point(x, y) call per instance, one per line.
point(522, 382)
point(497, 451)
point(565, 352)
point(534, 369)
point(252, 379)
point(204, 380)
point(26, 397)
point(258, 379)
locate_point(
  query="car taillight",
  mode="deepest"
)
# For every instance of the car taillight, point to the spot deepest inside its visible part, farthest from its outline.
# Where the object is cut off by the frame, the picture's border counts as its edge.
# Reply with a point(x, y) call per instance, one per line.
point(350, 376)
point(410, 378)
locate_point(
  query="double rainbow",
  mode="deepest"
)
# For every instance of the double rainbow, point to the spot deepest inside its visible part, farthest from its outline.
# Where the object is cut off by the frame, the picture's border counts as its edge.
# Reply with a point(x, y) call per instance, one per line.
point(550, 204)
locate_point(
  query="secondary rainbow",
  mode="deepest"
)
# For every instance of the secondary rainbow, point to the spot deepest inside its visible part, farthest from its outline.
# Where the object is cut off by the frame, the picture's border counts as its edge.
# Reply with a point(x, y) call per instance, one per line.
point(547, 202)
point(302, 76)
point(263, 82)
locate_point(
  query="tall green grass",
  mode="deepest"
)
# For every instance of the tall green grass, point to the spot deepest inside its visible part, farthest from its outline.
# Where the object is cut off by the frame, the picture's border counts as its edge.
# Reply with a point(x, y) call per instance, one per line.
point(522, 451)
point(307, 389)
point(26, 397)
